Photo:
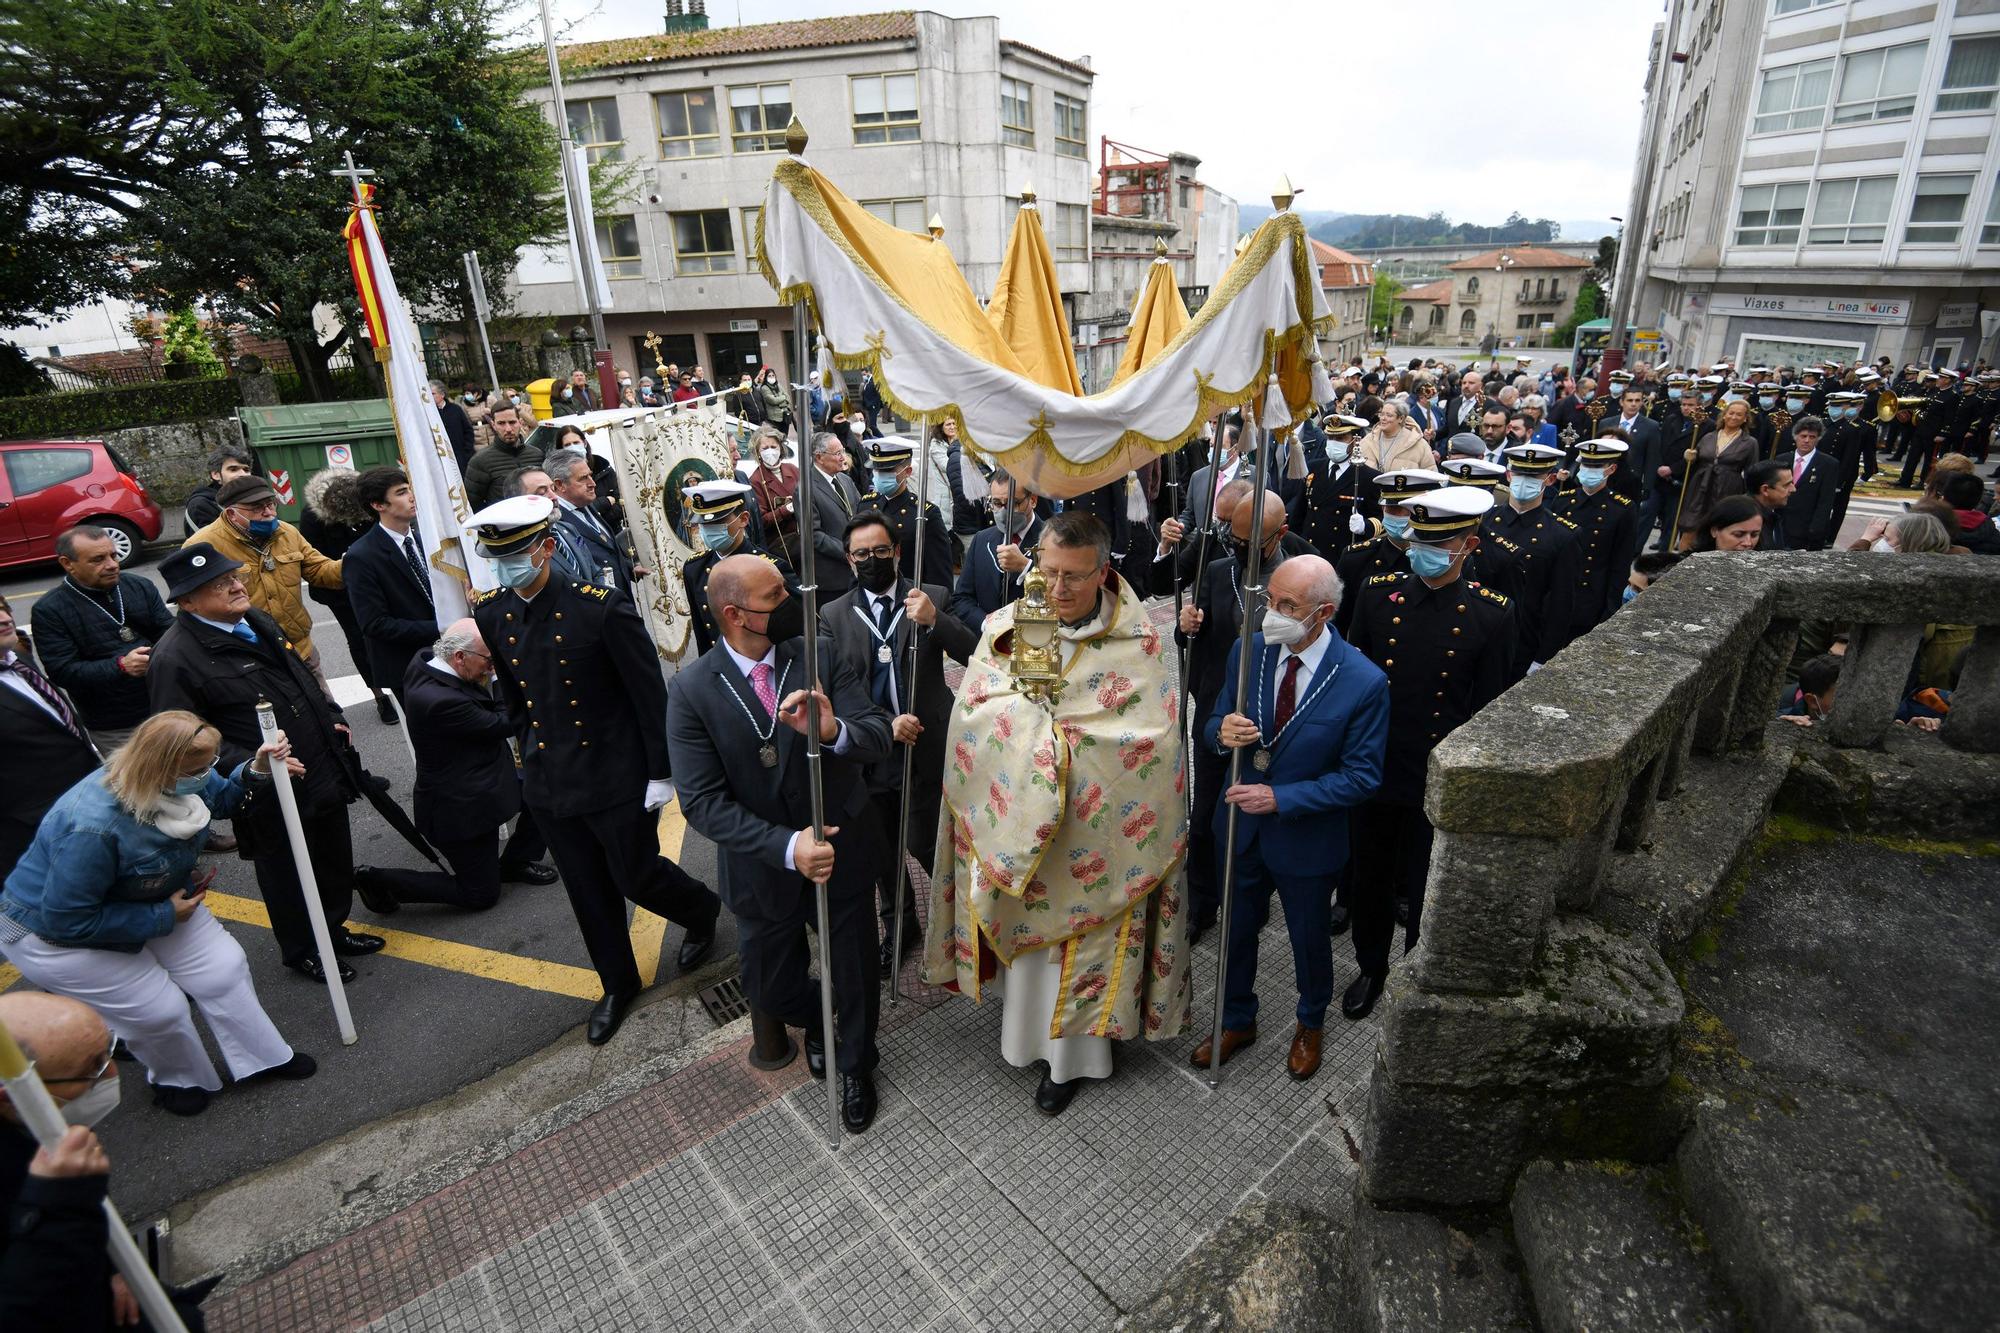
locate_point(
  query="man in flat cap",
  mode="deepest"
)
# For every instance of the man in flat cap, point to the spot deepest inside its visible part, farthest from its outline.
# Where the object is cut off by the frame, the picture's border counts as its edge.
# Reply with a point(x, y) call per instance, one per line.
point(274, 558)
point(581, 676)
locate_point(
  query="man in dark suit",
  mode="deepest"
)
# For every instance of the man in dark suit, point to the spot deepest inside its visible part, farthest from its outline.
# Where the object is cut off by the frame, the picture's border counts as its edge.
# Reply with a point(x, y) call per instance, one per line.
point(835, 498)
point(593, 547)
point(1463, 409)
point(1639, 469)
point(871, 629)
point(595, 772)
point(387, 579)
point(736, 723)
point(468, 784)
point(1768, 481)
point(95, 633)
point(1810, 516)
point(990, 578)
point(46, 752)
point(1311, 738)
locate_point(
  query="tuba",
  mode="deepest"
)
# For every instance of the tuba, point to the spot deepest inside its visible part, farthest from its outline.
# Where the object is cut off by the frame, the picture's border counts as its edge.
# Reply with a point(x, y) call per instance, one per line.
point(1885, 406)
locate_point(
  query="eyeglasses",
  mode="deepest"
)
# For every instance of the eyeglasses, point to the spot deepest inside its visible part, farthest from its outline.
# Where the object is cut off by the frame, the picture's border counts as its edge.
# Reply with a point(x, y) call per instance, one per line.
point(874, 552)
point(261, 507)
point(93, 1075)
point(1288, 607)
point(1065, 579)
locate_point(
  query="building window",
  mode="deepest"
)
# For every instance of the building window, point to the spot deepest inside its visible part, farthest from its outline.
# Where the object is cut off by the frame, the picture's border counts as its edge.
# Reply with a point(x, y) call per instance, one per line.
point(1780, 8)
point(1472, 288)
point(1408, 315)
point(1070, 236)
point(1017, 113)
point(908, 214)
point(758, 114)
point(702, 243)
point(1879, 85)
point(1469, 322)
point(687, 124)
point(1938, 212)
point(1851, 212)
point(1971, 75)
point(1524, 322)
point(594, 124)
point(1437, 316)
point(618, 245)
point(885, 108)
point(1989, 231)
point(751, 217)
point(1793, 98)
point(1771, 214)
point(1070, 137)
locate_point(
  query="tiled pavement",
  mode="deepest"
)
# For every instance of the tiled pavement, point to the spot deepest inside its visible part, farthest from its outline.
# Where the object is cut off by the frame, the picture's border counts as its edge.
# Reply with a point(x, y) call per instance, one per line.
point(710, 1200)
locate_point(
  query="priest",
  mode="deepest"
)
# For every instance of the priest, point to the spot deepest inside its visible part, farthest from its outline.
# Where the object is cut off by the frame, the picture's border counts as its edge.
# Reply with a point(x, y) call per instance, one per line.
point(1064, 826)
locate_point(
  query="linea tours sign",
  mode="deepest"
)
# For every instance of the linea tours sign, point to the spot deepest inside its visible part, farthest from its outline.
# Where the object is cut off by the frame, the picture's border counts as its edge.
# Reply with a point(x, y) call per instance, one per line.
point(1841, 309)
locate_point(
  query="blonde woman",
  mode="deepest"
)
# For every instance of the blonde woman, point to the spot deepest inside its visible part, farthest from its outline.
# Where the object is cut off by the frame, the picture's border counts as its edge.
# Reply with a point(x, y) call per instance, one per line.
point(104, 907)
point(1719, 462)
point(1395, 443)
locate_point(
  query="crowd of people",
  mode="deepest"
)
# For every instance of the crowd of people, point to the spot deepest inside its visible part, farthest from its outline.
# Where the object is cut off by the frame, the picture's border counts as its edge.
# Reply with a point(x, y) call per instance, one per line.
point(1426, 539)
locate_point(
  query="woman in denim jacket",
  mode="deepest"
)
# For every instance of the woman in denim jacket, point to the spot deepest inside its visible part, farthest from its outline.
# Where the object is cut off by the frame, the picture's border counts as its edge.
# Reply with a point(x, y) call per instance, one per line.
point(104, 908)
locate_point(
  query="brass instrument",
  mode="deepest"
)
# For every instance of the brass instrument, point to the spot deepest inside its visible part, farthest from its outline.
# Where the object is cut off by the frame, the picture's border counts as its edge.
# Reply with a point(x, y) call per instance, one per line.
point(1885, 406)
point(1033, 659)
point(1907, 404)
point(1779, 419)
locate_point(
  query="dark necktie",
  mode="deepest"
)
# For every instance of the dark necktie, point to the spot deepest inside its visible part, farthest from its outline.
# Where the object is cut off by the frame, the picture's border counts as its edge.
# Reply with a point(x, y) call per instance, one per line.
point(883, 684)
point(416, 562)
point(1287, 695)
point(44, 691)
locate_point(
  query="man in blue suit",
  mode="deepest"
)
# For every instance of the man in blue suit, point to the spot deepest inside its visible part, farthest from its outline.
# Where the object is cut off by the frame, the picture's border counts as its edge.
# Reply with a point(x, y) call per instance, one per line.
point(388, 579)
point(580, 533)
point(1312, 745)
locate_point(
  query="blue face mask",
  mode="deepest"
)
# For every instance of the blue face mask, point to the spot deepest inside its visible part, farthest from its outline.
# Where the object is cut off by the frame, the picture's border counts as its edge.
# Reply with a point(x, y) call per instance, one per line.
point(1525, 489)
point(1766, 401)
point(1430, 562)
point(1629, 593)
point(1336, 453)
point(716, 538)
point(263, 527)
point(1674, 393)
point(1396, 525)
point(887, 483)
point(189, 786)
point(514, 571)
point(1795, 404)
point(1590, 478)
point(1732, 397)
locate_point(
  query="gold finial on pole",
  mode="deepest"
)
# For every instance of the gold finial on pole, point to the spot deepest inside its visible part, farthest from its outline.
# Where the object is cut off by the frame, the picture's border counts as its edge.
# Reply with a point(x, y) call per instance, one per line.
point(1160, 248)
point(1283, 193)
point(936, 225)
point(1028, 193)
point(795, 138)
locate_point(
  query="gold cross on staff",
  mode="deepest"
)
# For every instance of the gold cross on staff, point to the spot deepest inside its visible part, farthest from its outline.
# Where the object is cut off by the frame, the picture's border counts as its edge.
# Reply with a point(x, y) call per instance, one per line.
point(652, 341)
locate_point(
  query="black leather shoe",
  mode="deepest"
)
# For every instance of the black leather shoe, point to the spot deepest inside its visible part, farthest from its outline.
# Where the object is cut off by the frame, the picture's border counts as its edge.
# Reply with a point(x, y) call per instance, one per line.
point(815, 1055)
point(309, 968)
point(695, 947)
point(375, 896)
point(1053, 1098)
point(1199, 926)
point(177, 1100)
point(530, 872)
point(1340, 919)
point(857, 1101)
point(354, 944)
point(605, 1017)
point(1359, 1001)
point(385, 710)
point(299, 1066)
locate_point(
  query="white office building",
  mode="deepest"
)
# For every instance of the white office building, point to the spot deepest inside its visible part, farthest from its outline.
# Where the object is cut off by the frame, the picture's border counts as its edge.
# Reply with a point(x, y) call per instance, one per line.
point(1826, 183)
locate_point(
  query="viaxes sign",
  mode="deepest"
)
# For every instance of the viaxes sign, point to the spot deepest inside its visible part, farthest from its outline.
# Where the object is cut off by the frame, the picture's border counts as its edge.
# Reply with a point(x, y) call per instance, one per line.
point(1840, 309)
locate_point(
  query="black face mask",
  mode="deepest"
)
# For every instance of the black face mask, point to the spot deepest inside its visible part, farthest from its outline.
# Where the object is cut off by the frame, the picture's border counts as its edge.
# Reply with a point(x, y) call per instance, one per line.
point(876, 573)
point(786, 620)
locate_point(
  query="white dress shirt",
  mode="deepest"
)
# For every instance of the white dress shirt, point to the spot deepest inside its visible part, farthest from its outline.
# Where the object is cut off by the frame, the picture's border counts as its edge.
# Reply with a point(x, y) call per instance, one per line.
point(1309, 659)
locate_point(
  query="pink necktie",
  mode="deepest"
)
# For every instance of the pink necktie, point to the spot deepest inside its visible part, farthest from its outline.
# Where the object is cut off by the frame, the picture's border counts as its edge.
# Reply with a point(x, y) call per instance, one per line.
point(760, 681)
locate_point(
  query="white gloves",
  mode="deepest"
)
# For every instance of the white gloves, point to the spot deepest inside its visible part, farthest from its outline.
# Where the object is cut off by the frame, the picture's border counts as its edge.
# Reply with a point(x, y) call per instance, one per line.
point(1357, 524)
point(658, 793)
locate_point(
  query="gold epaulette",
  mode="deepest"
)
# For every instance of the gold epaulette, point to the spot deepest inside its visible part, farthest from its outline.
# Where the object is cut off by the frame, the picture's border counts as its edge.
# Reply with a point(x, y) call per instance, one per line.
point(481, 599)
point(591, 589)
point(1497, 598)
point(1394, 576)
point(1568, 523)
point(1621, 498)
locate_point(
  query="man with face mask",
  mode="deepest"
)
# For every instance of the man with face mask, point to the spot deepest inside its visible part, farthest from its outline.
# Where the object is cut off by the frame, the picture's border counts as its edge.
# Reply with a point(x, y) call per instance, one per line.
point(995, 561)
point(581, 681)
point(1335, 504)
point(1384, 552)
point(1549, 562)
point(1606, 530)
point(721, 519)
point(736, 723)
point(871, 628)
point(892, 472)
point(277, 561)
point(1447, 646)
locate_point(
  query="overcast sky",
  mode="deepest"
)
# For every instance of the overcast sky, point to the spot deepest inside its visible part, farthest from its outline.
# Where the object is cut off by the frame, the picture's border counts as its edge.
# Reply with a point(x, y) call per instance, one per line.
point(1467, 111)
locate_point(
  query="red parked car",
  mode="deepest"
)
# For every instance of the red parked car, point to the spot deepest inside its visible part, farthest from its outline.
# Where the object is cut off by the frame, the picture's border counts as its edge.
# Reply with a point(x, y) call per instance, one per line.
point(47, 486)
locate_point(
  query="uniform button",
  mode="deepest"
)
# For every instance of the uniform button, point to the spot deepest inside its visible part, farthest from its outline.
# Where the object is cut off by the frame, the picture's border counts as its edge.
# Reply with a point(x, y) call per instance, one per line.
point(512, 640)
point(572, 702)
point(510, 615)
point(1461, 607)
point(541, 745)
point(1451, 652)
point(531, 703)
point(584, 744)
point(1395, 620)
point(537, 726)
point(1455, 630)
point(1389, 662)
point(558, 638)
point(1392, 643)
point(579, 722)
point(558, 615)
point(514, 661)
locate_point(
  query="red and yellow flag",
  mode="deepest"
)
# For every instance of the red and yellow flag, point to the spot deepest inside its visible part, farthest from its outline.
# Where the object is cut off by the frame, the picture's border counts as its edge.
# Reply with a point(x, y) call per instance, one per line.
point(366, 288)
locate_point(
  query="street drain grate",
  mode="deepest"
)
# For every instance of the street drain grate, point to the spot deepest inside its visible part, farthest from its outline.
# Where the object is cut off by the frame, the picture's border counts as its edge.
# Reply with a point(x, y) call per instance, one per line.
point(724, 1001)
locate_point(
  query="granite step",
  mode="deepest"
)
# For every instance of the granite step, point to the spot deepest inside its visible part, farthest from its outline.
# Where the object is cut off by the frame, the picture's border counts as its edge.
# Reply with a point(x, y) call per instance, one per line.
point(1414, 1272)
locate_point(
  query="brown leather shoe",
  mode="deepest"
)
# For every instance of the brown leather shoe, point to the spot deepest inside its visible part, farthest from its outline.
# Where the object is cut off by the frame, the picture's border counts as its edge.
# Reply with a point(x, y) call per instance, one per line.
point(1303, 1062)
point(1233, 1040)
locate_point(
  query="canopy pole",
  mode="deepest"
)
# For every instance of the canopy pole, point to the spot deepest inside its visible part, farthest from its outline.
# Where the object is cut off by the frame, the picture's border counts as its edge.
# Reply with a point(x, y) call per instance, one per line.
point(1175, 490)
point(288, 804)
point(909, 701)
point(44, 1120)
point(809, 590)
point(1253, 589)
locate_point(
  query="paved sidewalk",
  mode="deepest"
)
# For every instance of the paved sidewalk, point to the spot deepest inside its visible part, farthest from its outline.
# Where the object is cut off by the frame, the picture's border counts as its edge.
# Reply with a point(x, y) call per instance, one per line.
point(710, 1200)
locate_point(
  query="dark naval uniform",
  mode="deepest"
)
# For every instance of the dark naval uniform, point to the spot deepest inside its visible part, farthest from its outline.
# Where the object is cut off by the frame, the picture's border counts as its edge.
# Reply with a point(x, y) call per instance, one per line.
point(1447, 653)
point(1548, 574)
point(1357, 564)
point(1330, 495)
point(901, 511)
point(577, 669)
point(1606, 529)
point(694, 581)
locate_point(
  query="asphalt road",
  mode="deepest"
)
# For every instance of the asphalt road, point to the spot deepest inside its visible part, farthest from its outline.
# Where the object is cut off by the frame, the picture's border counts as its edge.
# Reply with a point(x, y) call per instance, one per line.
point(429, 1023)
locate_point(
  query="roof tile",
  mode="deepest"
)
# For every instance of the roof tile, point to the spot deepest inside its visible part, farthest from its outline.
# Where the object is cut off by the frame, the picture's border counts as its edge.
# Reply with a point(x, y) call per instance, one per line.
point(661, 47)
point(1522, 256)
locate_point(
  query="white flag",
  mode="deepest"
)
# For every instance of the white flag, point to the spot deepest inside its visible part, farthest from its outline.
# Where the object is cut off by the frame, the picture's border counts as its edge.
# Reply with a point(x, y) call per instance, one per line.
point(585, 264)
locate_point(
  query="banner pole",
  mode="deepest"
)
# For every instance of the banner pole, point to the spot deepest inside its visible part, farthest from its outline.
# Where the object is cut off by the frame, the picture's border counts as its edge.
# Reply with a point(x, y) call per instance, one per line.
point(909, 701)
point(288, 802)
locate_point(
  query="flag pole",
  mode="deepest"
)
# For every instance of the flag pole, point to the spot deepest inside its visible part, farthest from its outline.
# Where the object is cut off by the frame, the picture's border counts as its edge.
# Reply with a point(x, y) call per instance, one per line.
point(288, 802)
point(909, 701)
point(39, 1113)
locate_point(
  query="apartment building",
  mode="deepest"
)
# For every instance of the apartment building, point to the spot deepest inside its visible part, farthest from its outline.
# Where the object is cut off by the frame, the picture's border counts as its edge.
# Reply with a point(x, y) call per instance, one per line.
point(1826, 183)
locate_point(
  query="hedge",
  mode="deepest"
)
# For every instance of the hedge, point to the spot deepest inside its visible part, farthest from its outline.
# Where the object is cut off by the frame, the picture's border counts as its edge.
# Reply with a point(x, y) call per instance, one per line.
point(99, 411)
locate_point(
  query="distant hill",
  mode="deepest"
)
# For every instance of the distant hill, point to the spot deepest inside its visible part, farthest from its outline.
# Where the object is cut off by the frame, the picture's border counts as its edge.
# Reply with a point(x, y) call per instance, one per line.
point(1360, 230)
point(1249, 217)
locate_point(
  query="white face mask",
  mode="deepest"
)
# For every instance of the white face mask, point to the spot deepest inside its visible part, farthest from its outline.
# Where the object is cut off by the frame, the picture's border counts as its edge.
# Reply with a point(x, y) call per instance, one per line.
point(93, 1106)
point(1881, 546)
point(1282, 630)
point(770, 457)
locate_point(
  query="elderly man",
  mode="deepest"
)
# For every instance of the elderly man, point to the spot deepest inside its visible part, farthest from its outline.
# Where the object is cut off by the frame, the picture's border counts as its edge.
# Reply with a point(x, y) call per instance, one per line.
point(1066, 825)
point(47, 751)
point(835, 498)
point(575, 396)
point(991, 575)
point(95, 633)
point(488, 475)
point(277, 561)
point(736, 726)
point(1311, 750)
point(467, 782)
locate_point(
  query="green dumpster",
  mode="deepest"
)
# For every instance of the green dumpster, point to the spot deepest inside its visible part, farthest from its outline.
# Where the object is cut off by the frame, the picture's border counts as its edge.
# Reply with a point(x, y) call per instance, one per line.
point(295, 440)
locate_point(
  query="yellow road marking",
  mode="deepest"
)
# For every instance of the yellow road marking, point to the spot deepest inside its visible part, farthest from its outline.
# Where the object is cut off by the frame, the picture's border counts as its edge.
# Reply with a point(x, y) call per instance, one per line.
point(649, 932)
